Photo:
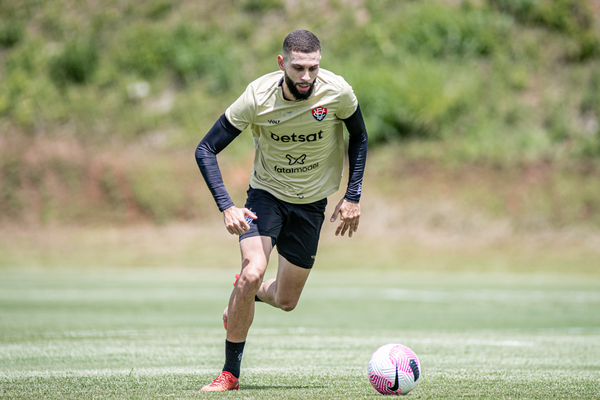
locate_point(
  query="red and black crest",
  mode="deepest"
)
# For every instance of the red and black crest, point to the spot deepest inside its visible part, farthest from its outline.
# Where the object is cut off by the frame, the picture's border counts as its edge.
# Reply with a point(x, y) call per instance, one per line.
point(319, 113)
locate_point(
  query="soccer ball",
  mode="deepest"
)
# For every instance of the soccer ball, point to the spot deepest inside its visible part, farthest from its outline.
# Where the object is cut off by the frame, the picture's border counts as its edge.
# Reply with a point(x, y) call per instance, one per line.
point(394, 369)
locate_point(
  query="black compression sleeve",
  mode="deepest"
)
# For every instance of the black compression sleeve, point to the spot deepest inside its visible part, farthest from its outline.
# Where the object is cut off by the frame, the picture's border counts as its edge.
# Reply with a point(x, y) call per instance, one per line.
point(220, 135)
point(357, 154)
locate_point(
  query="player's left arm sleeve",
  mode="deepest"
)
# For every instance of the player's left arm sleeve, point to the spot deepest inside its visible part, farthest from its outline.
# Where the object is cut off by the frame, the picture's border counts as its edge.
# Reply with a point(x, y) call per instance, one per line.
point(357, 154)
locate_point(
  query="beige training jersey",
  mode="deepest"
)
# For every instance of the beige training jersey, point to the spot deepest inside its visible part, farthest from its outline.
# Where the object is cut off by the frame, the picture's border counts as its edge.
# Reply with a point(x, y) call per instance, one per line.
point(299, 145)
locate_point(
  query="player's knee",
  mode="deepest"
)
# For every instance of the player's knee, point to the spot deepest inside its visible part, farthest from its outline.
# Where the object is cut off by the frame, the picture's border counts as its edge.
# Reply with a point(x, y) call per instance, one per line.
point(249, 281)
point(288, 307)
point(287, 304)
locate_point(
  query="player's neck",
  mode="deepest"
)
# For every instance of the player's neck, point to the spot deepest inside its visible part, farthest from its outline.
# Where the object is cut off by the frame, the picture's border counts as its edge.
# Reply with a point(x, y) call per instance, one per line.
point(285, 91)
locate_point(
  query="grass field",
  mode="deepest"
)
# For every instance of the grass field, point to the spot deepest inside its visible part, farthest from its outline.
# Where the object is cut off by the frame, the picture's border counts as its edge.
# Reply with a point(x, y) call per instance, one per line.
point(155, 332)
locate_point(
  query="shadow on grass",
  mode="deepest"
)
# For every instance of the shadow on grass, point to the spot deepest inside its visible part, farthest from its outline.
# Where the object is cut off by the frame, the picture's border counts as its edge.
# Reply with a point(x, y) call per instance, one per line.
point(261, 387)
point(278, 387)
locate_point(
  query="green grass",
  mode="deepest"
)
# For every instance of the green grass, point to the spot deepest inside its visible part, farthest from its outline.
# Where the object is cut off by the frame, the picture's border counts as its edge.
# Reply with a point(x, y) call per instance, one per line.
point(156, 332)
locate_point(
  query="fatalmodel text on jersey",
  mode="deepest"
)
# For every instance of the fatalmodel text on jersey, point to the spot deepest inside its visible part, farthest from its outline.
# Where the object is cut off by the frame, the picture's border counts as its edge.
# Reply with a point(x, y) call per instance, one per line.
point(296, 170)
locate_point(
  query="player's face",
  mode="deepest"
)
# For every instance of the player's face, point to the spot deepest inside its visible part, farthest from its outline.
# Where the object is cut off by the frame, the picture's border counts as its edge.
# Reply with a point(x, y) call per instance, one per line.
point(300, 71)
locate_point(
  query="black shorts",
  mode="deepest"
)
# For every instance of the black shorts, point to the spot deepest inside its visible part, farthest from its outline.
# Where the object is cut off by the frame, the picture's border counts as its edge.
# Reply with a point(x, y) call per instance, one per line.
point(293, 228)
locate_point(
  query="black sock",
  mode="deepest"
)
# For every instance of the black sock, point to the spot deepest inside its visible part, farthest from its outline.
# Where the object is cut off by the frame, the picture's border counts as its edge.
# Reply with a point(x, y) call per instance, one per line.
point(233, 357)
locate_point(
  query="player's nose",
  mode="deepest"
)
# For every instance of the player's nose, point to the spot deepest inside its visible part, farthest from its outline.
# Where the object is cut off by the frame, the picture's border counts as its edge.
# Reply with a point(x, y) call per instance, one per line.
point(305, 76)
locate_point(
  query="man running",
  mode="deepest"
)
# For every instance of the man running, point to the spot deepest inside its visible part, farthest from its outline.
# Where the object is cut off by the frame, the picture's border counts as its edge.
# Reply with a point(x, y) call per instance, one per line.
point(295, 115)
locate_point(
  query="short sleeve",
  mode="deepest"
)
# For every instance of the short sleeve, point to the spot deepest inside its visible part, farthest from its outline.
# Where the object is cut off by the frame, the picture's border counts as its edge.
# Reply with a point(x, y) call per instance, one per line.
point(348, 101)
point(243, 111)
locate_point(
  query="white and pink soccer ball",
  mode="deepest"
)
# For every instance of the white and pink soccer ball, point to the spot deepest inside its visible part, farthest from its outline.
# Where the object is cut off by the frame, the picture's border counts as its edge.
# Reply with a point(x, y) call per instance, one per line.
point(394, 369)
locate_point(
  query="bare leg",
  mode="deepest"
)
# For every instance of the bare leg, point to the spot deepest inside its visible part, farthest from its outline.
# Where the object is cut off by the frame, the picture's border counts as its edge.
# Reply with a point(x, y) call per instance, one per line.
point(255, 256)
point(284, 291)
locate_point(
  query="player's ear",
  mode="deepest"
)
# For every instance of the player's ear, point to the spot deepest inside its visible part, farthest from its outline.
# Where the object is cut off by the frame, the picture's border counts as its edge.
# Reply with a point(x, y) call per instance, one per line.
point(281, 62)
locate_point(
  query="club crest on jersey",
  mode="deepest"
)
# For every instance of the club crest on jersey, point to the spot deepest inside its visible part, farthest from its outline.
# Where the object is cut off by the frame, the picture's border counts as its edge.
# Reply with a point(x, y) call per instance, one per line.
point(319, 113)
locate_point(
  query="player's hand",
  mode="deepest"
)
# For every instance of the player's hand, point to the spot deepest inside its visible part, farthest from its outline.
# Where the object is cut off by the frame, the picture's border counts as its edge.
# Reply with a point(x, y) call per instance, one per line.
point(235, 220)
point(349, 216)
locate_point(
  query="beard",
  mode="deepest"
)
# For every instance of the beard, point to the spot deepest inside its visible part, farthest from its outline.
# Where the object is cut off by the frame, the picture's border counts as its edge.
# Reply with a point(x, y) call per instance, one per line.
point(295, 92)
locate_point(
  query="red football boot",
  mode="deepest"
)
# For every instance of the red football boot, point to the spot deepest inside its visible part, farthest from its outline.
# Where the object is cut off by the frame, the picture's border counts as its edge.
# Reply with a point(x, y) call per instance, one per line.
point(225, 381)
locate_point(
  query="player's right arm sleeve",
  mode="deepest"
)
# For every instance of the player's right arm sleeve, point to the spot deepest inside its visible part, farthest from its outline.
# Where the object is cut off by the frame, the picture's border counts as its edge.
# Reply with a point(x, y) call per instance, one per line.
point(218, 137)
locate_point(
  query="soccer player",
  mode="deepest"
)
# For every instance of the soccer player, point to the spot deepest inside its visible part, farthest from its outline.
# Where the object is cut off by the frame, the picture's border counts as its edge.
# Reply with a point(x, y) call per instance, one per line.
point(295, 115)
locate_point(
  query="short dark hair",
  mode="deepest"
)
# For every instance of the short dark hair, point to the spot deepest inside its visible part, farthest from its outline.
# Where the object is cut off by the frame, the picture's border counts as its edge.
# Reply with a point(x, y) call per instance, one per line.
point(301, 41)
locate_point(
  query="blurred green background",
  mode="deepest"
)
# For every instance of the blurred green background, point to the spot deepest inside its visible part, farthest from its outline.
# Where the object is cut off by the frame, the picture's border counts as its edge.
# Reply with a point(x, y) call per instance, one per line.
point(481, 114)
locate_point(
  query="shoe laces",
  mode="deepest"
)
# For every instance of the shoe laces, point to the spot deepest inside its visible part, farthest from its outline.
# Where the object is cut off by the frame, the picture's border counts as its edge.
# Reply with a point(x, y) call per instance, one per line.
point(224, 378)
